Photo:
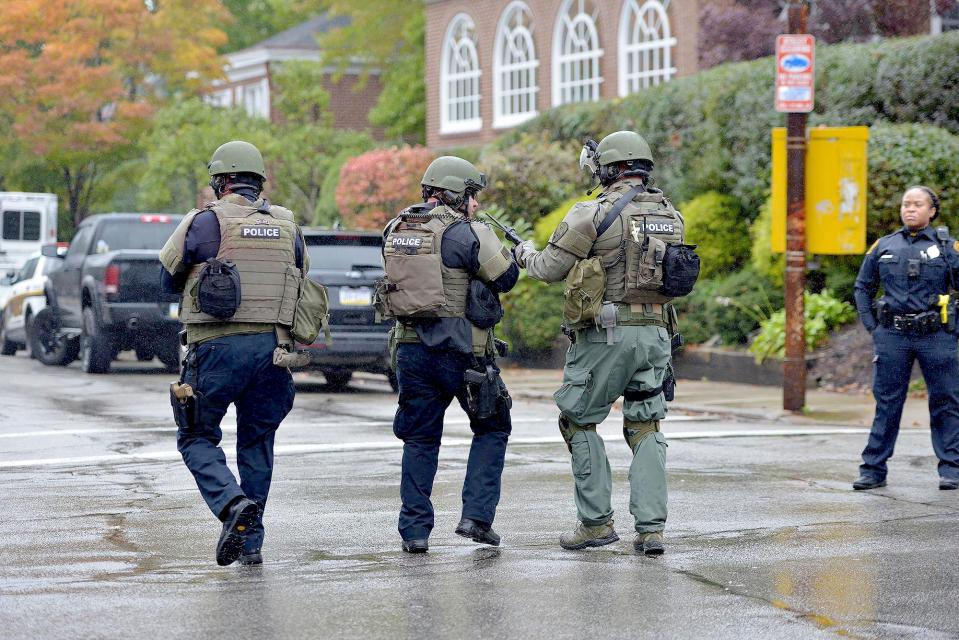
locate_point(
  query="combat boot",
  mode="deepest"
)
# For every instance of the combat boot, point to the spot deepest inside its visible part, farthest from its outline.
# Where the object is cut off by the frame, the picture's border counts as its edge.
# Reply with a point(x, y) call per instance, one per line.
point(650, 543)
point(477, 532)
point(237, 521)
point(585, 536)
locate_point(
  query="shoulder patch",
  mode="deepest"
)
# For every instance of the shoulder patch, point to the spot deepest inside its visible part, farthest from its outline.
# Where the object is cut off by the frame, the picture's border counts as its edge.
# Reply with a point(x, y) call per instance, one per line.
point(955, 246)
point(870, 249)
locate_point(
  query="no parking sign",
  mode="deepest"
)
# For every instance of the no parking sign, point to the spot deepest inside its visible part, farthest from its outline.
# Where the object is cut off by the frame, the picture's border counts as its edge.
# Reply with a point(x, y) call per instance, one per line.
point(795, 73)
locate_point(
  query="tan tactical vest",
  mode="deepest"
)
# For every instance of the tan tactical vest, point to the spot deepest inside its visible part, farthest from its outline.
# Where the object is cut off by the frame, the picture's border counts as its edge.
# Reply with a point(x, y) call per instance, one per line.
point(260, 242)
point(632, 273)
point(417, 283)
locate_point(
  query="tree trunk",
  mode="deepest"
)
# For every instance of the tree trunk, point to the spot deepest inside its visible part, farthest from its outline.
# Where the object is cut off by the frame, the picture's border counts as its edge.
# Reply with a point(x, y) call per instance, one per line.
point(79, 182)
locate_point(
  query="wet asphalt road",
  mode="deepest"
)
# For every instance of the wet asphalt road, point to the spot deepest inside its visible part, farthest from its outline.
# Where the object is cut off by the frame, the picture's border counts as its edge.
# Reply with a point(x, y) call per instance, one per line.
point(104, 535)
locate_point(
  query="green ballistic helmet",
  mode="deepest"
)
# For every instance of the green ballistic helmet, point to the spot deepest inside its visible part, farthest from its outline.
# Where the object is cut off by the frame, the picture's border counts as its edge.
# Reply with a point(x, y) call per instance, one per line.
point(237, 156)
point(623, 145)
point(453, 174)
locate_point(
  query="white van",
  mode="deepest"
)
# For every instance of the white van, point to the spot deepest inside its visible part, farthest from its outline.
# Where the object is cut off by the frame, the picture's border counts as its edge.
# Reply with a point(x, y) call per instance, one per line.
point(27, 221)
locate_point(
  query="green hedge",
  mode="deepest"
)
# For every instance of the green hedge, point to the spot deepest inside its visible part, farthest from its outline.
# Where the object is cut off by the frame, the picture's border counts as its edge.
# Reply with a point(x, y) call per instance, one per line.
point(533, 315)
point(714, 224)
point(710, 131)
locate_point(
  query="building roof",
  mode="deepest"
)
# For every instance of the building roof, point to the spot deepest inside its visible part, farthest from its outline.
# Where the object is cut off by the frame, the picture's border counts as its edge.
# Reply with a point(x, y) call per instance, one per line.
point(302, 36)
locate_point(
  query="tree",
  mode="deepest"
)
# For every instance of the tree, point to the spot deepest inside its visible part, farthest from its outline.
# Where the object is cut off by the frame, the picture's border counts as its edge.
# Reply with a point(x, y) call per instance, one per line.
point(376, 185)
point(81, 78)
point(388, 36)
point(256, 20)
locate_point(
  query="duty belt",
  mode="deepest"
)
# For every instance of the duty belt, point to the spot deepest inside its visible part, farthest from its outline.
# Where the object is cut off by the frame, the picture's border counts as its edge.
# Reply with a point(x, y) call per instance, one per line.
point(921, 323)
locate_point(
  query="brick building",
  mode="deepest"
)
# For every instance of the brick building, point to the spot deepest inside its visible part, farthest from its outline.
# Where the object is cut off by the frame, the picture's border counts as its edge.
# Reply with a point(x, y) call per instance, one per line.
point(249, 73)
point(492, 64)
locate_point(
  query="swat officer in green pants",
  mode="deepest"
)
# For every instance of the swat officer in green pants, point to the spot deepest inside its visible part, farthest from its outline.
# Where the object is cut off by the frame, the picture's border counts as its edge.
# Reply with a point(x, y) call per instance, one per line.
point(623, 259)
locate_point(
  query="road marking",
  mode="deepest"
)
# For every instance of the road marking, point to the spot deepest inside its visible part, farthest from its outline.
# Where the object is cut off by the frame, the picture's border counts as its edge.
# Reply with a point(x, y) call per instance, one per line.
point(303, 425)
point(340, 447)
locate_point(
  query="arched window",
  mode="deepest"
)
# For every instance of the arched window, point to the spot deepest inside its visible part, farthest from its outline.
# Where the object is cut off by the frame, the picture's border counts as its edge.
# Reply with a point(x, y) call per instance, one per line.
point(576, 53)
point(514, 68)
point(460, 78)
point(645, 46)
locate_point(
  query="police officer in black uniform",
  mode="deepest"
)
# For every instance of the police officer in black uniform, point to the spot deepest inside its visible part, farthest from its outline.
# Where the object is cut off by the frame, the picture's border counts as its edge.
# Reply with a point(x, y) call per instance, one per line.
point(915, 266)
point(232, 356)
point(444, 272)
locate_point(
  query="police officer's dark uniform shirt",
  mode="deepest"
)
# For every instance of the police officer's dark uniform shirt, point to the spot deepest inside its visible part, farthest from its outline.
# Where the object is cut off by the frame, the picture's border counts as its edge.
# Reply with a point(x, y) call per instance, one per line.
point(460, 250)
point(912, 268)
point(203, 242)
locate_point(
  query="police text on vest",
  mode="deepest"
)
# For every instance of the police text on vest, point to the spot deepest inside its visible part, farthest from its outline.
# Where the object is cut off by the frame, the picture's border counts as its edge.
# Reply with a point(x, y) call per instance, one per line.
point(260, 232)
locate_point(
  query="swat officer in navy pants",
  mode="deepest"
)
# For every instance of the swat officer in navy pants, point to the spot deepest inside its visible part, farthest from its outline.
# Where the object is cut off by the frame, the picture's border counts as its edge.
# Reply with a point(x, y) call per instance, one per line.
point(444, 272)
point(915, 266)
point(233, 353)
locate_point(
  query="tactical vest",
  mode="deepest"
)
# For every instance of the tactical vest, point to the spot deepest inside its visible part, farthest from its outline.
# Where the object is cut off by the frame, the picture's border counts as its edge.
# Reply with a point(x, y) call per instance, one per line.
point(633, 247)
point(260, 242)
point(417, 283)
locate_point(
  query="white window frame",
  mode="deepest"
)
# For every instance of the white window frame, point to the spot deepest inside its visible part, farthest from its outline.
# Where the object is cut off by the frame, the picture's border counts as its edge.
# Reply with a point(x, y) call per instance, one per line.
point(514, 81)
point(645, 46)
point(459, 45)
point(577, 62)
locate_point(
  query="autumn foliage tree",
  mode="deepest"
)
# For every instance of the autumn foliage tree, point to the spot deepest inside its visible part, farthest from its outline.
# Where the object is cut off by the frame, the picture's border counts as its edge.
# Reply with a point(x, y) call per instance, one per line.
point(378, 184)
point(81, 78)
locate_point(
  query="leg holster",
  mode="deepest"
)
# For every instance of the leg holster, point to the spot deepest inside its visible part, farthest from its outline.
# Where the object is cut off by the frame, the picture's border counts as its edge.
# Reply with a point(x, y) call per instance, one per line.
point(634, 432)
point(568, 429)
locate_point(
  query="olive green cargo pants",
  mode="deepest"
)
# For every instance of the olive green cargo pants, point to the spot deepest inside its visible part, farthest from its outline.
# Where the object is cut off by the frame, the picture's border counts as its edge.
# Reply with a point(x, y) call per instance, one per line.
point(596, 374)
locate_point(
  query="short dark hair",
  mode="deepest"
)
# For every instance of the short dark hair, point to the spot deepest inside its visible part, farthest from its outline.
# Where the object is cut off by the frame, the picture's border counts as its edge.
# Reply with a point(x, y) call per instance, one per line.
point(933, 198)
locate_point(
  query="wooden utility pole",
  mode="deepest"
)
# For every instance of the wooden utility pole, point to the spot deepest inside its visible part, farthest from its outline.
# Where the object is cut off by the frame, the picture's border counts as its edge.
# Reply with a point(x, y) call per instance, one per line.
point(794, 365)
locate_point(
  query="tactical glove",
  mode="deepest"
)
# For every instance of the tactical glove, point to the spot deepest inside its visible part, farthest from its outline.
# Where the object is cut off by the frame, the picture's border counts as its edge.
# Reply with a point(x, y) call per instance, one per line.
point(522, 250)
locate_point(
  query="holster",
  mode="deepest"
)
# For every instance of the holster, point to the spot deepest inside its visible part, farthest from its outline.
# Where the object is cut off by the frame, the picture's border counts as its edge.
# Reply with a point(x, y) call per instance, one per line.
point(486, 393)
point(184, 397)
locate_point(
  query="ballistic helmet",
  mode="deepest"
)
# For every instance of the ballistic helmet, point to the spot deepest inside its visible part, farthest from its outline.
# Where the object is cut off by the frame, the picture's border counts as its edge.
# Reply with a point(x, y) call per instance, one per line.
point(237, 156)
point(450, 173)
point(621, 146)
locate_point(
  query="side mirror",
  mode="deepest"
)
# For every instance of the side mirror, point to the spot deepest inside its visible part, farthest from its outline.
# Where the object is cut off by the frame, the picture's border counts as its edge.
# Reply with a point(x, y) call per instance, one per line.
point(50, 251)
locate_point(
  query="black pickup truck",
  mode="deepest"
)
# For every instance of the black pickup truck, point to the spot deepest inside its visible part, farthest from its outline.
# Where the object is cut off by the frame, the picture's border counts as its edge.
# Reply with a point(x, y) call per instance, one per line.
point(105, 295)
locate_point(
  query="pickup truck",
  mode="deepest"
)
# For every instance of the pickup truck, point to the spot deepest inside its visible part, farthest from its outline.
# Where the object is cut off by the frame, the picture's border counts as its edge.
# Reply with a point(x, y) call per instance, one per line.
point(105, 296)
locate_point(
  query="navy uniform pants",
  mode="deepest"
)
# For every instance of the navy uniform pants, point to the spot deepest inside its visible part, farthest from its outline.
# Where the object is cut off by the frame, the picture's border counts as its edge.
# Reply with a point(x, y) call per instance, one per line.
point(895, 353)
point(239, 370)
point(429, 380)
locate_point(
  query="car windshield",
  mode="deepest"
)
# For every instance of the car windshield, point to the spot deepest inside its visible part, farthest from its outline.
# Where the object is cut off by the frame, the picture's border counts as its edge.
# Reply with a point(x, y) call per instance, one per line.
point(339, 253)
point(133, 234)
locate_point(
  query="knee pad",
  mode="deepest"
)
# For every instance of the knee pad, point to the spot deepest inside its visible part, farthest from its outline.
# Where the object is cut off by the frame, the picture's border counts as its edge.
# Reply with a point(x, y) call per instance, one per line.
point(634, 432)
point(569, 429)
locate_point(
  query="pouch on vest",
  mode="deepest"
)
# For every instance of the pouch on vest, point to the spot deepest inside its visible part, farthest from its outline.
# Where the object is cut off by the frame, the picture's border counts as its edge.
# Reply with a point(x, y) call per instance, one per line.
point(218, 289)
point(680, 270)
point(583, 293)
point(312, 313)
point(414, 286)
point(483, 308)
point(644, 266)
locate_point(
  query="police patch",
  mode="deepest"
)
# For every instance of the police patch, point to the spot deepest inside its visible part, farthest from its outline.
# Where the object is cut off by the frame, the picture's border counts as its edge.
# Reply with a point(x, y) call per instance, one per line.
point(955, 246)
point(259, 231)
point(406, 241)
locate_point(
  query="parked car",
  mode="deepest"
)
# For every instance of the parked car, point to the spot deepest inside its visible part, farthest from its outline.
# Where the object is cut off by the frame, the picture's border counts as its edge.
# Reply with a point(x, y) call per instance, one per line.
point(347, 263)
point(24, 300)
point(105, 296)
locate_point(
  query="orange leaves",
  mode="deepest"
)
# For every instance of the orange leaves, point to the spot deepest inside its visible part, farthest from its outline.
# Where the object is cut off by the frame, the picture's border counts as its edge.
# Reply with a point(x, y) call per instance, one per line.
point(376, 185)
point(81, 76)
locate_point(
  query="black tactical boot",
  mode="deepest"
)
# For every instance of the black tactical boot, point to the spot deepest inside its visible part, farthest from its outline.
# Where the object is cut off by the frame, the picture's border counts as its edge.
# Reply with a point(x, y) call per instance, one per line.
point(240, 518)
point(864, 483)
point(416, 546)
point(253, 557)
point(948, 484)
point(477, 531)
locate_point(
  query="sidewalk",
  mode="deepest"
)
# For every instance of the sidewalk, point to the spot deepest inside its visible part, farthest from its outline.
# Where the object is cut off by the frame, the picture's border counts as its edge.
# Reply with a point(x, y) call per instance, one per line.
point(743, 401)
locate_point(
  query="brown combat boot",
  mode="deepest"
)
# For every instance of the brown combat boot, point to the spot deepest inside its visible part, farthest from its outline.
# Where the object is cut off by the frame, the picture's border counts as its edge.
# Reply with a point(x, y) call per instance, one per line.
point(650, 543)
point(584, 536)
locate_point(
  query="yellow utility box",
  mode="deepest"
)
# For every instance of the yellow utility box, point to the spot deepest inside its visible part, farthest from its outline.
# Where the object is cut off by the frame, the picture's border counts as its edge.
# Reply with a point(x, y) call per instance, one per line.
point(835, 190)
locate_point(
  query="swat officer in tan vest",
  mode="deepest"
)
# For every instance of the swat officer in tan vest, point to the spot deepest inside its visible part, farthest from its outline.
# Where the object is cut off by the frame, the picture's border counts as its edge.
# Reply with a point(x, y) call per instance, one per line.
point(444, 272)
point(238, 264)
point(612, 252)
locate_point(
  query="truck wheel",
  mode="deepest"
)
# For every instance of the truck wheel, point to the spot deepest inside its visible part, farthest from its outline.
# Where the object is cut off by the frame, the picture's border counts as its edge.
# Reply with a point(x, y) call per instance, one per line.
point(95, 349)
point(394, 382)
point(337, 379)
point(144, 354)
point(48, 344)
point(9, 347)
point(171, 355)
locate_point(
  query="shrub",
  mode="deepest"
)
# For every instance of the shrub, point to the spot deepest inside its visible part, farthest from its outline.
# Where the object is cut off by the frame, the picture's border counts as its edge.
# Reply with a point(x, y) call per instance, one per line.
point(763, 260)
point(714, 223)
point(730, 307)
point(533, 315)
point(822, 313)
point(376, 185)
point(530, 178)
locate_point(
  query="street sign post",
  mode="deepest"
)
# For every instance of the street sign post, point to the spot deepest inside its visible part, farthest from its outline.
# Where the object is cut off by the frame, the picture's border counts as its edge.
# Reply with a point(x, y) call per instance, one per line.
point(795, 73)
